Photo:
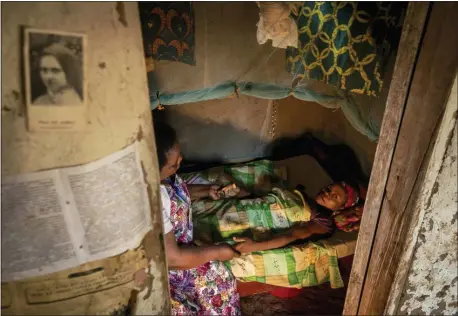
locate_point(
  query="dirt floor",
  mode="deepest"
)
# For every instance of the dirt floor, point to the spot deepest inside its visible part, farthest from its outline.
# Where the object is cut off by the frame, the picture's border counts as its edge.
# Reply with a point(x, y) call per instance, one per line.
point(318, 300)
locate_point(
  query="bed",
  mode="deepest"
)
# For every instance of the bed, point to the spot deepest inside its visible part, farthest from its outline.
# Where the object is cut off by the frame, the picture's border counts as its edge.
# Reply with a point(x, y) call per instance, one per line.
point(307, 171)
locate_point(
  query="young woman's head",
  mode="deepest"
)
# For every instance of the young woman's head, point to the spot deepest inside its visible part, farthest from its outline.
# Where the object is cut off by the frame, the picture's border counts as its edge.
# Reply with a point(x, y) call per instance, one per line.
point(338, 196)
point(59, 69)
point(168, 149)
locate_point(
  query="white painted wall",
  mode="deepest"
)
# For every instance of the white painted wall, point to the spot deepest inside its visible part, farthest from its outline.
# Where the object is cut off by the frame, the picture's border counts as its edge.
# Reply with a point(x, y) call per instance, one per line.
point(118, 104)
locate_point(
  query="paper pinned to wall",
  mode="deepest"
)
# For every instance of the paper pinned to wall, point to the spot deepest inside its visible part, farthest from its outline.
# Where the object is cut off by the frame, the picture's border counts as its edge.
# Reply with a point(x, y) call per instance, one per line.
point(58, 219)
point(99, 287)
point(55, 80)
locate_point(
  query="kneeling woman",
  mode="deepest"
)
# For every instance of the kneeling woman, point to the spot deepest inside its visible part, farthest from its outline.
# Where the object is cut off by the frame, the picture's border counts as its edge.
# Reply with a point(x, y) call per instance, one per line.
point(199, 282)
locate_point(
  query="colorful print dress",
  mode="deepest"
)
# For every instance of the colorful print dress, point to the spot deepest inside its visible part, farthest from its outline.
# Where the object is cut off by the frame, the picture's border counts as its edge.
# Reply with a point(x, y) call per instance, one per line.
point(209, 289)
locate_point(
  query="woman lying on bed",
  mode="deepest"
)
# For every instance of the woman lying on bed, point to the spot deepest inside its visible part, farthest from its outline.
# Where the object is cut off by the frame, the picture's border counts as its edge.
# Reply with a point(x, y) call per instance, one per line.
point(281, 235)
point(336, 206)
point(326, 212)
point(277, 218)
point(271, 225)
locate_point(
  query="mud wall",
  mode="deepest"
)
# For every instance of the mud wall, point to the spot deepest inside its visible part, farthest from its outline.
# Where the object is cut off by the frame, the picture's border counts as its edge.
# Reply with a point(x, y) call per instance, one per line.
point(118, 105)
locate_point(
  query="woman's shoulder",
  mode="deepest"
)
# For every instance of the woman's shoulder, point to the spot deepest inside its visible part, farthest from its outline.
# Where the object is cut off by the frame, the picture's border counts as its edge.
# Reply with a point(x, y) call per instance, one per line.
point(42, 100)
point(70, 97)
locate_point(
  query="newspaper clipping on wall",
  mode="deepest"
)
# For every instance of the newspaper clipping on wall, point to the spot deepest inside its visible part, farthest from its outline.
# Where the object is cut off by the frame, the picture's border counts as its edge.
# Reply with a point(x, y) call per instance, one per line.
point(101, 287)
point(58, 219)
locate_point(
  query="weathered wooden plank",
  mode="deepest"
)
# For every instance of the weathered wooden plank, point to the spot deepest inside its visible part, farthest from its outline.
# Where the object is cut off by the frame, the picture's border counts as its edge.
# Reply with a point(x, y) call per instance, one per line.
point(430, 170)
point(407, 52)
point(431, 83)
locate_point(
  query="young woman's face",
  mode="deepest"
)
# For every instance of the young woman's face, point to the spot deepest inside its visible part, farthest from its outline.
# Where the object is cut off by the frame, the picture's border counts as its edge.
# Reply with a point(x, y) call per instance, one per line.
point(52, 74)
point(332, 197)
point(173, 162)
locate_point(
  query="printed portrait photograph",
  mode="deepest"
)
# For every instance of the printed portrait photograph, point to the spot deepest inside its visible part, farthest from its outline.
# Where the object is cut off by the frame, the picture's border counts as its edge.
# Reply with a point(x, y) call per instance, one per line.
point(55, 68)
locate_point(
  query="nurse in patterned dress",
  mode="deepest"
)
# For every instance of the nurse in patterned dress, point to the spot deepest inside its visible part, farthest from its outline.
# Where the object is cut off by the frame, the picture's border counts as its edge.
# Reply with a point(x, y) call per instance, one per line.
point(200, 283)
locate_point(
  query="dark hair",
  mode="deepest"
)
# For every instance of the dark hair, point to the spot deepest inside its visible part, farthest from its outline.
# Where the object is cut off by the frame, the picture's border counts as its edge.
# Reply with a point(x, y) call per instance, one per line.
point(350, 182)
point(166, 138)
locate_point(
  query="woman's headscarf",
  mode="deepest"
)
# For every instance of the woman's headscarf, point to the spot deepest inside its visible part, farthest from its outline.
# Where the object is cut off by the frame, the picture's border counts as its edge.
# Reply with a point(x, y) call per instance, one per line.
point(69, 63)
point(352, 195)
point(349, 218)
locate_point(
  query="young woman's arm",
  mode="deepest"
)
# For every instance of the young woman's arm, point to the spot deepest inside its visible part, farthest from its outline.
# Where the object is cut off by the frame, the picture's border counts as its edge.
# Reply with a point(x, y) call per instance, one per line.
point(199, 191)
point(243, 192)
point(305, 230)
point(182, 258)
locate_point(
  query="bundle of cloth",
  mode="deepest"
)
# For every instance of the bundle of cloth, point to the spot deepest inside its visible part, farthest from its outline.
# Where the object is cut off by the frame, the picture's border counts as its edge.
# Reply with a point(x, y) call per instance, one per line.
point(281, 234)
point(276, 24)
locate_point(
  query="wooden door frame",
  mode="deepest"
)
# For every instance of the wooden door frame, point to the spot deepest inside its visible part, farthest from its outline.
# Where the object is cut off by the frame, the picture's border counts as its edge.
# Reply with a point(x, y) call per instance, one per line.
point(428, 50)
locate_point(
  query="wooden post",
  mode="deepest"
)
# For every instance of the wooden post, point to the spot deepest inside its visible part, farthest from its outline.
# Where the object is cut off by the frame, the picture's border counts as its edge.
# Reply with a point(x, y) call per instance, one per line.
point(405, 61)
point(432, 80)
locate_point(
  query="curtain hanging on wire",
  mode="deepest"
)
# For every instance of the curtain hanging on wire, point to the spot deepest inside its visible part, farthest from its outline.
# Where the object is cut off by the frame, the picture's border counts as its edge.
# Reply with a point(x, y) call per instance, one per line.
point(272, 92)
point(346, 44)
point(227, 65)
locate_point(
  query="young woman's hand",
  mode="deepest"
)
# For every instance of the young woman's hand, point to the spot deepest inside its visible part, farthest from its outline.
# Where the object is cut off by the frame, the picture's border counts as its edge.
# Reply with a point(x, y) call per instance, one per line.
point(213, 192)
point(245, 245)
point(226, 252)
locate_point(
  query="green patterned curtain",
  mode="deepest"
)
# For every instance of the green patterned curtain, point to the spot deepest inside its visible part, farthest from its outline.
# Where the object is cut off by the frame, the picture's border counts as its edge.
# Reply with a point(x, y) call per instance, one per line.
point(346, 44)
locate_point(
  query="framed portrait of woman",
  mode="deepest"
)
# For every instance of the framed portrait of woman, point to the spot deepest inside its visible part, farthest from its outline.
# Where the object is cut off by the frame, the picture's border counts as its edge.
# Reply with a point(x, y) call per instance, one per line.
point(55, 80)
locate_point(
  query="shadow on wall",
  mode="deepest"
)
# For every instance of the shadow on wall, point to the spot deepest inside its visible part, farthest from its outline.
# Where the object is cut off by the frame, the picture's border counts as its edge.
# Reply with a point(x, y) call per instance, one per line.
point(330, 126)
point(206, 144)
point(339, 160)
point(216, 142)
